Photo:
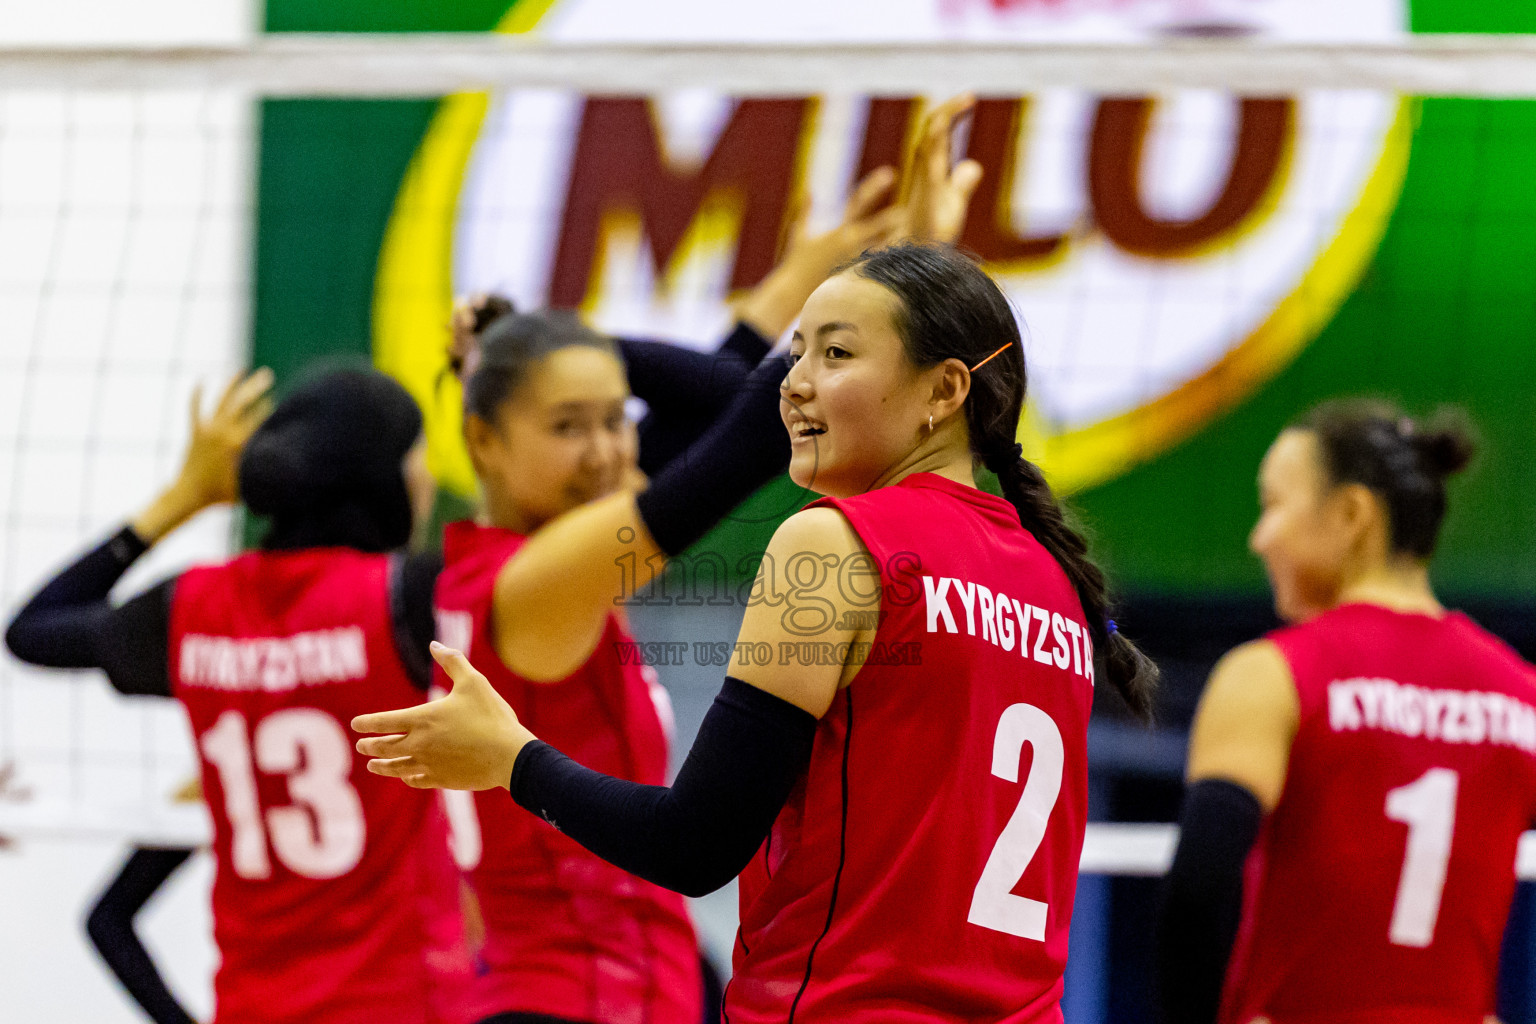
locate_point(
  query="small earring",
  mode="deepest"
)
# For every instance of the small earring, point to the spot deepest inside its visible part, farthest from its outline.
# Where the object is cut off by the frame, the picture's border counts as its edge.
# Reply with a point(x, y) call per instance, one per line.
point(930, 423)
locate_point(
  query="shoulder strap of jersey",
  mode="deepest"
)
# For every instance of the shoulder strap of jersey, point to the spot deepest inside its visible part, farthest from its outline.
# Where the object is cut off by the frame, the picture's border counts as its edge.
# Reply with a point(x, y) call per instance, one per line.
point(1302, 648)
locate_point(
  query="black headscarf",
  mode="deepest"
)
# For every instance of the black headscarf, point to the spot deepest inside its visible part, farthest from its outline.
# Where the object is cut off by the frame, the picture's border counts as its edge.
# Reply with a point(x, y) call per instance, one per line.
point(325, 467)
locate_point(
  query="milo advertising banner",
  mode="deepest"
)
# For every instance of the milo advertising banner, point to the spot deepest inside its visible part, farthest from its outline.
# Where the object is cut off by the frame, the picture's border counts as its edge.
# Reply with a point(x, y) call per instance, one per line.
point(1191, 269)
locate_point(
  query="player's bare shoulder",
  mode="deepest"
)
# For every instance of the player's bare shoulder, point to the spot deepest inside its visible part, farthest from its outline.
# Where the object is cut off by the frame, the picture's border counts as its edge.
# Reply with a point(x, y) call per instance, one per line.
point(1246, 721)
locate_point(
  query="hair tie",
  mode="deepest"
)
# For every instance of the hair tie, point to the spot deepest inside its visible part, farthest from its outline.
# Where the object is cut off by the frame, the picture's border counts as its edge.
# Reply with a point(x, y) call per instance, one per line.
point(1002, 458)
point(991, 357)
point(1110, 627)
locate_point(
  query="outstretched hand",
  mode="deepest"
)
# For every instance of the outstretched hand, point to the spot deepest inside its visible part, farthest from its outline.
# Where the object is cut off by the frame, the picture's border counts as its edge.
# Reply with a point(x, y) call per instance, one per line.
point(469, 739)
point(938, 191)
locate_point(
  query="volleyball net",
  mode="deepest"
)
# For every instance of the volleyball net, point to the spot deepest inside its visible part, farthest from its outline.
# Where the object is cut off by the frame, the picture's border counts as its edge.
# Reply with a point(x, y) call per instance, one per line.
point(1176, 222)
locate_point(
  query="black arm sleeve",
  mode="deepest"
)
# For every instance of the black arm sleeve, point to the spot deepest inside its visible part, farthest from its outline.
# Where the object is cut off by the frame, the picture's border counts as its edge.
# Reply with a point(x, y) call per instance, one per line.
point(744, 449)
point(697, 835)
point(685, 390)
point(671, 377)
point(413, 578)
point(747, 344)
point(110, 927)
point(70, 623)
point(1203, 899)
point(136, 642)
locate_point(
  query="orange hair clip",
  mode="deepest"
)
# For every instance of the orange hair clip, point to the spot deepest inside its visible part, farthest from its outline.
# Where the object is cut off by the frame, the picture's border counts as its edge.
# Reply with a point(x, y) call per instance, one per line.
point(991, 357)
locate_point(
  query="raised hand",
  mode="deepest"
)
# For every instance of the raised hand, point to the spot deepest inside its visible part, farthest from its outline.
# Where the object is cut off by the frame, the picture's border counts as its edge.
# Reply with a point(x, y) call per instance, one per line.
point(867, 220)
point(210, 469)
point(937, 192)
point(469, 739)
point(810, 257)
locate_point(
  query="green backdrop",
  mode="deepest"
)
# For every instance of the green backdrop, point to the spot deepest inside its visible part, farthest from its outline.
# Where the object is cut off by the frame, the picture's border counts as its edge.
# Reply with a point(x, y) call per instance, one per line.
point(1446, 313)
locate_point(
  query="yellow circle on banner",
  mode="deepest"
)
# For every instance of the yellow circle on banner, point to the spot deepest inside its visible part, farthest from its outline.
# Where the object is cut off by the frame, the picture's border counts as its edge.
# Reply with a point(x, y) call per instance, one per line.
point(1093, 454)
point(413, 295)
point(413, 286)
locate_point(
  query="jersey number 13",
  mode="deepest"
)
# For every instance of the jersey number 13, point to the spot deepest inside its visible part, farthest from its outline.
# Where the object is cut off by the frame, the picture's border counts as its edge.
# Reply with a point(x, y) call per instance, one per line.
point(321, 834)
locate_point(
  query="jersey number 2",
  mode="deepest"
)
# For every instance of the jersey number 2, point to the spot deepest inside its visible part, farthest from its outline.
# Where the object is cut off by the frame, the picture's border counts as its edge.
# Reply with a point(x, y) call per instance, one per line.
point(1428, 807)
point(993, 905)
point(319, 835)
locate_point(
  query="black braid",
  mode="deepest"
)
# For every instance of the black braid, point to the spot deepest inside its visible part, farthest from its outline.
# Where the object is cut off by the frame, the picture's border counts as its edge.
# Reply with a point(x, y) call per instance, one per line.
point(1133, 675)
point(949, 308)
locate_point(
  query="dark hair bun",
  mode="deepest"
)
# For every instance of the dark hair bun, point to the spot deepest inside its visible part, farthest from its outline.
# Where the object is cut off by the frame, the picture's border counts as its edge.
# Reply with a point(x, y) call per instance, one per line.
point(1445, 453)
point(1445, 446)
point(1402, 461)
point(489, 308)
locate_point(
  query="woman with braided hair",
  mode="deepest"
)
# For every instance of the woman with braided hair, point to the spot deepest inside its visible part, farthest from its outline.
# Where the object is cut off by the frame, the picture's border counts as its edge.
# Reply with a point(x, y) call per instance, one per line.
point(901, 859)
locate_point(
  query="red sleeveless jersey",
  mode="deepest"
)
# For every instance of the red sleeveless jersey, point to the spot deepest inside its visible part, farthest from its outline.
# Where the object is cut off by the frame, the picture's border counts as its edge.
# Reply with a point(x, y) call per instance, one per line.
point(335, 900)
point(1380, 886)
point(924, 868)
point(568, 934)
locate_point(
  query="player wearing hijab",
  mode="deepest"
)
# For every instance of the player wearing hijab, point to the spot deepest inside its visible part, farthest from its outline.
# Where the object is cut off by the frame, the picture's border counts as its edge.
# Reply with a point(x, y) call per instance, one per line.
point(335, 900)
point(1358, 780)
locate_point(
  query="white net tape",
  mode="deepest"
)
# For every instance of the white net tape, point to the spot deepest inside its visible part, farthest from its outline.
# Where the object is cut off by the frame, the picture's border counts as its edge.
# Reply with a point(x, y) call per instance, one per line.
point(430, 65)
point(1138, 850)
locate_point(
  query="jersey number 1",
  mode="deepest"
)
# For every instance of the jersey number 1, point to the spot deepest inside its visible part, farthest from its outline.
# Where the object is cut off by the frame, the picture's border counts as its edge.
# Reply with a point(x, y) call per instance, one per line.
point(993, 905)
point(1428, 807)
point(319, 835)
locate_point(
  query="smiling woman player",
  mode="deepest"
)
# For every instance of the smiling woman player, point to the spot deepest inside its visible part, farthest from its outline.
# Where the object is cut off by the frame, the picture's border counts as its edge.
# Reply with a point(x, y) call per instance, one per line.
point(569, 937)
point(1372, 765)
point(918, 865)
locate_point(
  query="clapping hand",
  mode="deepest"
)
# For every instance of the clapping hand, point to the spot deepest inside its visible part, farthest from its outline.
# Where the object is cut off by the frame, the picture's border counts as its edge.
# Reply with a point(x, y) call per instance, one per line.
point(938, 191)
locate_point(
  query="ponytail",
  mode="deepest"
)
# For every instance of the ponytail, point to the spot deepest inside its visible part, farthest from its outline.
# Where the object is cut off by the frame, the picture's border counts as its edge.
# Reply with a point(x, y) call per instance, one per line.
point(1133, 675)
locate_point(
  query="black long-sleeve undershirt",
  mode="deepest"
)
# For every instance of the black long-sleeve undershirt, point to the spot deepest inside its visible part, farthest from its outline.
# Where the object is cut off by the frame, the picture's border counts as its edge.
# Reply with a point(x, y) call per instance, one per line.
point(1202, 902)
point(674, 379)
point(686, 390)
point(744, 448)
point(698, 834)
point(72, 623)
point(110, 927)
